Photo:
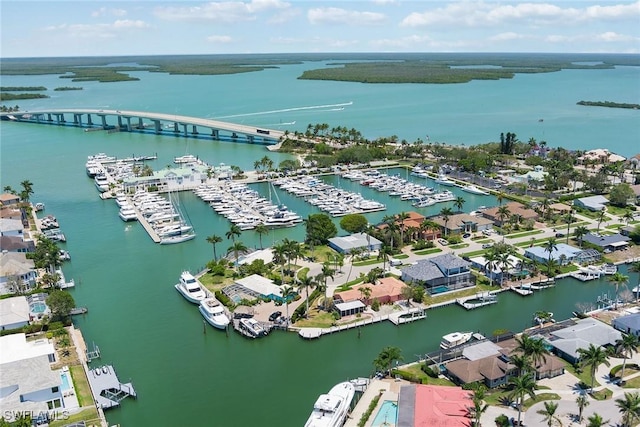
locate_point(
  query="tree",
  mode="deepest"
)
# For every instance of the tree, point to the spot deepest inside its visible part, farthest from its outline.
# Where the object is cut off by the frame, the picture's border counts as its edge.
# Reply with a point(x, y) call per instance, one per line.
point(306, 282)
point(629, 407)
point(407, 293)
point(365, 293)
point(234, 231)
point(459, 203)
point(550, 246)
point(549, 413)
point(602, 214)
point(280, 257)
point(401, 217)
point(61, 303)
point(320, 229)
point(592, 357)
point(327, 272)
point(621, 194)
point(582, 401)
point(27, 190)
point(214, 239)
point(237, 248)
point(616, 280)
point(532, 348)
point(388, 355)
point(521, 362)
point(354, 223)
point(627, 346)
point(580, 232)
point(479, 407)
point(596, 420)
point(261, 229)
point(520, 387)
point(287, 293)
point(446, 213)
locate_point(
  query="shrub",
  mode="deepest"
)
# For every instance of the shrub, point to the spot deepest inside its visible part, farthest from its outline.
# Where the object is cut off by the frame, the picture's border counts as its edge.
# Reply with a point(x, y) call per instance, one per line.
point(502, 421)
point(225, 300)
point(375, 304)
point(423, 244)
point(429, 370)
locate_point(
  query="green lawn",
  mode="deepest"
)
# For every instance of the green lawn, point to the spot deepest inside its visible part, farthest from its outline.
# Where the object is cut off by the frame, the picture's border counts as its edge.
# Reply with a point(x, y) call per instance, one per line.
point(584, 375)
point(367, 262)
point(319, 320)
point(303, 273)
point(458, 294)
point(459, 246)
point(401, 256)
point(539, 398)
point(603, 394)
point(632, 383)
point(81, 384)
point(526, 233)
point(474, 253)
point(89, 415)
point(428, 251)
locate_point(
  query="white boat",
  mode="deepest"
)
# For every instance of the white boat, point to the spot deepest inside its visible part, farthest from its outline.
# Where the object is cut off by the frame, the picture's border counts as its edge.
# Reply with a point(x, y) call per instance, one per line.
point(128, 214)
point(177, 239)
point(330, 410)
point(474, 190)
point(190, 288)
point(213, 312)
point(187, 158)
point(455, 339)
point(442, 179)
point(252, 328)
point(609, 269)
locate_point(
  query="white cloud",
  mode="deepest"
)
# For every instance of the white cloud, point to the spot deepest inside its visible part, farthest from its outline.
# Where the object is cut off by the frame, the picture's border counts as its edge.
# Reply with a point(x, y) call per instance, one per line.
point(219, 39)
point(506, 36)
point(226, 11)
point(334, 15)
point(129, 23)
point(97, 31)
point(479, 14)
point(103, 11)
point(611, 36)
point(403, 42)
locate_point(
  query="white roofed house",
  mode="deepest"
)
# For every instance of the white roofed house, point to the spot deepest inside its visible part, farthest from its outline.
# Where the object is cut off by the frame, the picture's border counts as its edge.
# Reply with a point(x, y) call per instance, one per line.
point(14, 313)
point(346, 244)
point(16, 271)
point(11, 227)
point(593, 203)
point(254, 287)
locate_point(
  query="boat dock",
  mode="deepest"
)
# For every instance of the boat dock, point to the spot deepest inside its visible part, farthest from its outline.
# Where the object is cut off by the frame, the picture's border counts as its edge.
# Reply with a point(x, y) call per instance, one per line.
point(107, 389)
point(242, 331)
point(478, 300)
point(147, 226)
point(523, 290)
point(410, 315)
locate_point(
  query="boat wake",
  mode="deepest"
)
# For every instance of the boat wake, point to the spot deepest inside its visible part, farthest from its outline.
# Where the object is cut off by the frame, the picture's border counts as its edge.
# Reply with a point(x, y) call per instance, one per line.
point(334, 107)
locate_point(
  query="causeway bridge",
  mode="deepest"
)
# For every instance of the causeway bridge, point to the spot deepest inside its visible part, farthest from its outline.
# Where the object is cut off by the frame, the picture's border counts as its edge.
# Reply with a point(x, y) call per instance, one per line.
point(141, 121)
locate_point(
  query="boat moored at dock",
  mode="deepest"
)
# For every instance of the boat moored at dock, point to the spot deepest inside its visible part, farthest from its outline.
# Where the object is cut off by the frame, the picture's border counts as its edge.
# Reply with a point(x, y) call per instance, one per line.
point(455, 339)
point(213, 312)
point(190, 288)
point(330, 409)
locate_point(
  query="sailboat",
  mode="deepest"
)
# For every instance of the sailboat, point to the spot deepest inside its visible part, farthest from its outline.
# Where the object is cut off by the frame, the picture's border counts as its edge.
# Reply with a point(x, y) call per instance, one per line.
point(178, 232)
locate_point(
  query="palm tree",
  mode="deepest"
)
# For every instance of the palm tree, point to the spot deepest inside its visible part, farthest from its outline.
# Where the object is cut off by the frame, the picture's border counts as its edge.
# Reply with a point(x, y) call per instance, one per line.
point(365, 293)
point(550, 246)
point(500, 197)
point(533, 348)
point(520, 387)
point(306, 282)
point(27, 190)
point(280, 257)
point(596, 420)
point(387, 356)
point(287, 293)
point(629, 407)
point(401, 217)
point(237, 248)
point(582, 401)
point(549, 413)
point(479, 407)
point(592, 357)
point(627, 346)
point(459, 203)
point(601, 216)
point(580, 232)
point(234, 231)
point(545, 204)
point(261, 229)
point(505, 264)
point(327, 272)
point(616, 280)
point(635, 268)
point(390, 220)
point(446, 213)
point(214, 239)
point(503, 214)
point(521, 362)
point(492, 260)
point(627, 217)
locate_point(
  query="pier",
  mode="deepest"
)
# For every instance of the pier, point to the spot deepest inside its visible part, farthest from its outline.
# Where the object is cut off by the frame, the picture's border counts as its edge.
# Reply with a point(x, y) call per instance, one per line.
point(107, 389)
point(479, 300)
point(148, 122)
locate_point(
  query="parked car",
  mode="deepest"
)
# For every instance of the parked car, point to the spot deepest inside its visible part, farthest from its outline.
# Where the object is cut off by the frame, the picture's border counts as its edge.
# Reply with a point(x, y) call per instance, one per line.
point(466, 235)
point(443, 242)
point(395, 262)
point(487, 232)
point(486, 245)
point(559, 234)
point(273, 316)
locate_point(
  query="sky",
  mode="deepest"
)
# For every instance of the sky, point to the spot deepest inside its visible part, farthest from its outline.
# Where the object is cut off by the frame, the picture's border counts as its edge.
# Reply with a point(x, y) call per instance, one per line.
point(147, 27)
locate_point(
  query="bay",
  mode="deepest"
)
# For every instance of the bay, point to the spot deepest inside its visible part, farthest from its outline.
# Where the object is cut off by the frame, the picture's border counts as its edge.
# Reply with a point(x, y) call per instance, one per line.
point(156, 339)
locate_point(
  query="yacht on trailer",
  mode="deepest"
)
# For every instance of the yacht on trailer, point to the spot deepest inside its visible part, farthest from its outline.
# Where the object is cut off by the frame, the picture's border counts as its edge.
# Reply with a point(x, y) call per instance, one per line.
point(330, 409)
point(190, 288)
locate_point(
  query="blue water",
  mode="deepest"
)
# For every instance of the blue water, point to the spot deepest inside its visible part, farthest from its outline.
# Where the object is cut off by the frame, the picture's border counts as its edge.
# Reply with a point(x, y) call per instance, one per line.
point(387, 415)
point(65, 381)
point(439, 290)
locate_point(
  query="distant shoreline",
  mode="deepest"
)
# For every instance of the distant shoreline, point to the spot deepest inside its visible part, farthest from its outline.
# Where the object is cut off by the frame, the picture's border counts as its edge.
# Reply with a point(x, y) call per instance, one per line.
point(609, 104)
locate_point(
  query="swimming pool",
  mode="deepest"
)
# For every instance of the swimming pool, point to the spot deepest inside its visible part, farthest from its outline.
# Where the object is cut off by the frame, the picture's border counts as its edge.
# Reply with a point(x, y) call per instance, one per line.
point(439, 289)
point(64, 376)
point(387, 414)
point(38, 307)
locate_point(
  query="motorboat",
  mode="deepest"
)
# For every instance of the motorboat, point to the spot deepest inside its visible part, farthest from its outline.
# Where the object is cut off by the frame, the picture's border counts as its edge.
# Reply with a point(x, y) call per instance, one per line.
point(187, 158)
point(213, 312)
point(190, 288)
point(330, 409)
point(128, 214)
point(252, 328)
point(474, 190)
point(442, 179)
point(177, 239)
point(102, 183)
point(455, 339)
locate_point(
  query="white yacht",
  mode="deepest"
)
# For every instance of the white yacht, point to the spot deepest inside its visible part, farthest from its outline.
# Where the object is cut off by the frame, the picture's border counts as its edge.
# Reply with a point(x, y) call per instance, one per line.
point(213, 312)
point(127, 214)
point(442, 179)
point(251, 328)
point(190, 288)
point(187, 158)
point(474, 190)
point(455, 339)
point(330, 410)
point(102, 183)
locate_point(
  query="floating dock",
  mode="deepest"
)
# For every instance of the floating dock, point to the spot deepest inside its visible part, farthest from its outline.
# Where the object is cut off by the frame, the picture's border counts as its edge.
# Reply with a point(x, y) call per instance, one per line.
point(479, 300)
point(410, 315)
point(107, 388)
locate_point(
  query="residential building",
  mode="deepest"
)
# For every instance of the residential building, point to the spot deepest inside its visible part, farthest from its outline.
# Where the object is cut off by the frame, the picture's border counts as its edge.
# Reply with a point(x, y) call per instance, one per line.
point(386, 290)
point(514, 208)
point(609, 243)
point(16, 271)
point(363, 241)
point(592, 203)
point(8, 199)
point(463, 223)
point(439, 274)
point(498, 270)
point(430, 405)
point(563, 254)
point(11, 227)
point(254, 287)
point(534, 177)
point(16, 244)
point(14, 313)
point(629, 324)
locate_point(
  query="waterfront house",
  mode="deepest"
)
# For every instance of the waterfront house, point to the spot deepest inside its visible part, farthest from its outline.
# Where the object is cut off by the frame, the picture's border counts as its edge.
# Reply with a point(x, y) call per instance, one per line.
point(16, 271)
point(386, 290)
point(16, 244)
point(439, 274)
point(515, 208)
point(463, 223)
point(560, 208)
point(490, 363)
point(413, 229)
point(254, 287)
point(498, 270)
point(11, 227)
point(592, 203)
point(28, 382)
point(609, 243)
point(563, 254)
point(430, 405)
point(601, 156)
point(534, 177)
point(636, 192)
point(629, 324)
point(14, 312)
point(11, 213)
point(580, 334)
point(8, 199)
point(346, 244)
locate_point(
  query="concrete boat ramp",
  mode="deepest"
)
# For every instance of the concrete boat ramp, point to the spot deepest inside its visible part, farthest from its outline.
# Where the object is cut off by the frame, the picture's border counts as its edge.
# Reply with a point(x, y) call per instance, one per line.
point(107, 388)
